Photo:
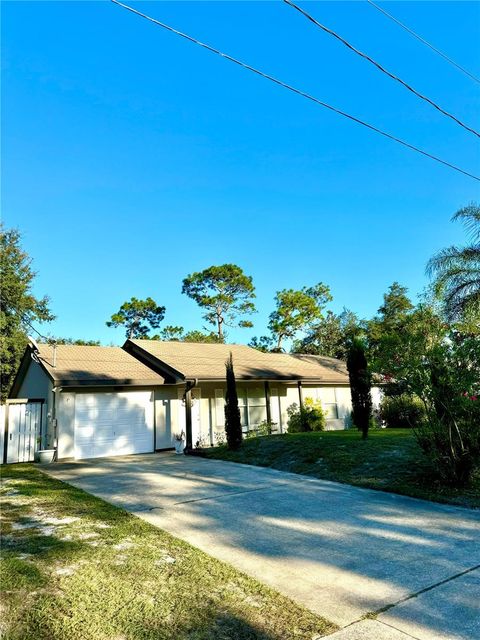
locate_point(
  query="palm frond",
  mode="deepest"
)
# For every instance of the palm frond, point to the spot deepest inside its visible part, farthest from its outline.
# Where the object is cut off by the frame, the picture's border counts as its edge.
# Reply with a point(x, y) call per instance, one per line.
point(451, 257)
point(470, 216)
point(460, 295)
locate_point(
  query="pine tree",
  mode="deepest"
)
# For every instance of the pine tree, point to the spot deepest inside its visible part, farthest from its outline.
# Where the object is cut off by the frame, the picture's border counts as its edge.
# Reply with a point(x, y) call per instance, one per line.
point(233, 426)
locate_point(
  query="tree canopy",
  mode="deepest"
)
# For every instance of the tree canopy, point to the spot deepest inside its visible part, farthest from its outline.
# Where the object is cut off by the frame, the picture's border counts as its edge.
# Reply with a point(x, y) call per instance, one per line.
point(178, 334)
point(225, 292)
point(331, 335)
point(138, 317)
point(19, 308)
point(296, 310)
point(75, 341)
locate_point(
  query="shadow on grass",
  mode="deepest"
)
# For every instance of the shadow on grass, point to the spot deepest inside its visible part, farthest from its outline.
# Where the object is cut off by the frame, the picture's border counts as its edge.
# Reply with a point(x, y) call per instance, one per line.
point(55, 588)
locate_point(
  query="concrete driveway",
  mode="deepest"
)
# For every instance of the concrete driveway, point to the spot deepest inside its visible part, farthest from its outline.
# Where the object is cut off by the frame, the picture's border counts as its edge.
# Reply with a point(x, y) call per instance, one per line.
point(339, 550)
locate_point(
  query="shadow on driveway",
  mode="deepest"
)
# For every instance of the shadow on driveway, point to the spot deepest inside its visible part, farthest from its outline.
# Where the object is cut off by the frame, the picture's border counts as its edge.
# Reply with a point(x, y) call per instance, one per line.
point(340, 550)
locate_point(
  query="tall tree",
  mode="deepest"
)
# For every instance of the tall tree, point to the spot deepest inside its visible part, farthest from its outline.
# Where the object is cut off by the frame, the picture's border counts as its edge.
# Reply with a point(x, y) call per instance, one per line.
point(456, 270)
point(233, 425)
point(138, 317)
point(225, 293)
point(18, 306)
point(360, 385)
point(331, 335)
point(297, 310)
point(391, 320)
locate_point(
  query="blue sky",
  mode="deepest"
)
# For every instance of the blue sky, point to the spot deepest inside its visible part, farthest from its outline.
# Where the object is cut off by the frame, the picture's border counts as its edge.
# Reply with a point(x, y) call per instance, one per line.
point(132, 158)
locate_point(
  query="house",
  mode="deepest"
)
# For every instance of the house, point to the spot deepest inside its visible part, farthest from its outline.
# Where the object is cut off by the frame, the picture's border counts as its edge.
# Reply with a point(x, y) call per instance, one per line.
point(91, 401)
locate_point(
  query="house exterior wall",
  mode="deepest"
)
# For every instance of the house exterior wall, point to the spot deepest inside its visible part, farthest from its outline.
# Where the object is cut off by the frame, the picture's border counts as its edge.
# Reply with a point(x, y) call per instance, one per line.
point(377, 395)
point(166, 416)
point(65, 411)
point(37, 385)
point(282, 396)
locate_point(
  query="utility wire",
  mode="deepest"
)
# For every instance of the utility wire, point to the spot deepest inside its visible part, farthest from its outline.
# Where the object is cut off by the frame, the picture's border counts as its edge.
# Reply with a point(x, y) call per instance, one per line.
point(297, 91)
point(380, 67)
point(425, 42)
point(27, 322)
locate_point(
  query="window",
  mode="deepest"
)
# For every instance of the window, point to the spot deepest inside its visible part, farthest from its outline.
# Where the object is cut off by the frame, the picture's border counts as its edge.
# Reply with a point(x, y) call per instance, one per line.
point(253, 407)
point(327, 398)
point(329, 403)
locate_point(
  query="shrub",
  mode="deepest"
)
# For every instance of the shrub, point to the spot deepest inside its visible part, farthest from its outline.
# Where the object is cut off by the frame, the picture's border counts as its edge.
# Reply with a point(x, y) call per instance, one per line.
point(360, 385)
point(403, 410)
point(233, 426)
point(310, 417)
point(265, 428)
point(450, 435)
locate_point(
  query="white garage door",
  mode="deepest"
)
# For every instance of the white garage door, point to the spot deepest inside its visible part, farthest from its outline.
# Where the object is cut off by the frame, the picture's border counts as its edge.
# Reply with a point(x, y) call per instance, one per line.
point(113, 424)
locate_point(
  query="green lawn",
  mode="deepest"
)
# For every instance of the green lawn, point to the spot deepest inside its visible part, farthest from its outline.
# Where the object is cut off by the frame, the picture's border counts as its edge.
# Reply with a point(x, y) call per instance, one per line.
point(75, 567)
point(390, 460)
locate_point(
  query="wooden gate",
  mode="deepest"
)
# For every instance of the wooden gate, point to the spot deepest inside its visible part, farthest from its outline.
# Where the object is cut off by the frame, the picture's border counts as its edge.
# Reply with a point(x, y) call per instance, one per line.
point(23, 430)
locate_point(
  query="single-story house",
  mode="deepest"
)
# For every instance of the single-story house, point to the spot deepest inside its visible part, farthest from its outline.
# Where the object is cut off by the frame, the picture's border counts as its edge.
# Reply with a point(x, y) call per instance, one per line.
point(105, 401)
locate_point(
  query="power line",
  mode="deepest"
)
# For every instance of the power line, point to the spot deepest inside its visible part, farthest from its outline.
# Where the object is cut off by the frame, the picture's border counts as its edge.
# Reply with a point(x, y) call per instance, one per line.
point(27, 322)
point(297, 91)
point(425, 42)
point(380, 67)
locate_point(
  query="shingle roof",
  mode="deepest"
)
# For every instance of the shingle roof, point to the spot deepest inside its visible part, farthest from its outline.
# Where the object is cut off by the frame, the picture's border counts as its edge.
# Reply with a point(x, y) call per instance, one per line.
point(207, 362)
point(85, 365)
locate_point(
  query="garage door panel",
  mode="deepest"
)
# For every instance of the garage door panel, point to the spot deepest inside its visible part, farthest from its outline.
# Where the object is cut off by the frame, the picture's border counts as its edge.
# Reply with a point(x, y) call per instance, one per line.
point(108, 424)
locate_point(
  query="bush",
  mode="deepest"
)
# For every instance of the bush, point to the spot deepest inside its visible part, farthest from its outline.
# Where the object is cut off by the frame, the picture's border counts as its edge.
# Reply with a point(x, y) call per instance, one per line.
point(360, 385)
point(265, 428)
point(233, 426)
point(454, 451)
point(310, 417)
point(450, 435)
point(402, 411)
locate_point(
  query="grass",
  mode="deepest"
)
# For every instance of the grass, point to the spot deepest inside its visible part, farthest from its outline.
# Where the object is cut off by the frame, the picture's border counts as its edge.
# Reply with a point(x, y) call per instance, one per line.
point(74, 566)
point(389, 460)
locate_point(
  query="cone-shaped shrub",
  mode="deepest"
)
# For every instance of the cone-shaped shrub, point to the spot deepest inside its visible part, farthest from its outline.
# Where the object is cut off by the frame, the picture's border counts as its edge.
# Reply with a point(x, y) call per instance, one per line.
point(233, 426)
point(360, 384)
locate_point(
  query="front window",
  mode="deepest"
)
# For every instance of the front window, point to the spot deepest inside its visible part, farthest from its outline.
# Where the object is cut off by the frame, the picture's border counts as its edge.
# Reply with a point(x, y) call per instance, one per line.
point(253, 407)
point(329, 404)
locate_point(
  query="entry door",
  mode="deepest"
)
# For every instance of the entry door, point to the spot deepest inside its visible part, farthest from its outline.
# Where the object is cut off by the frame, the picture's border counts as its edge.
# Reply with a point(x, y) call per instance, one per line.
point(196, 427)
point(163, 407)
point(24, 425)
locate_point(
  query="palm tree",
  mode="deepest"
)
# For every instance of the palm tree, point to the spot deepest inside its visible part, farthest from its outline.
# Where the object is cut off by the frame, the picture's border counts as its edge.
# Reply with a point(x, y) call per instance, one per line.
point(456, 270)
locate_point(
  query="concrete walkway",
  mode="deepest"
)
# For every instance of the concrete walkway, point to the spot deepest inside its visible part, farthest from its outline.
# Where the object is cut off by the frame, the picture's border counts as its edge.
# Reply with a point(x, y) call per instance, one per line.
point(339, 550)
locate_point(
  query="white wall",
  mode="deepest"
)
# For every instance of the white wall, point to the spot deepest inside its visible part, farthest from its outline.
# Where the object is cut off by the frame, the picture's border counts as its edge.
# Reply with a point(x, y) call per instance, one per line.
point(326, 394)
point(66, 424)
point(377, 395)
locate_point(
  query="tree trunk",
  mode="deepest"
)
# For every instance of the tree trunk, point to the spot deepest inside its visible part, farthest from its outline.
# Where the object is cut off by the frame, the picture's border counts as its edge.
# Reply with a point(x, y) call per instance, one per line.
point(220, 327)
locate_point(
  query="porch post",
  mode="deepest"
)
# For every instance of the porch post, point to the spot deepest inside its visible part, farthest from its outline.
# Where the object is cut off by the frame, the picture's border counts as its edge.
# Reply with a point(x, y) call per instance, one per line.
point(300, 393)
point(267, 401)
point(188, 418)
